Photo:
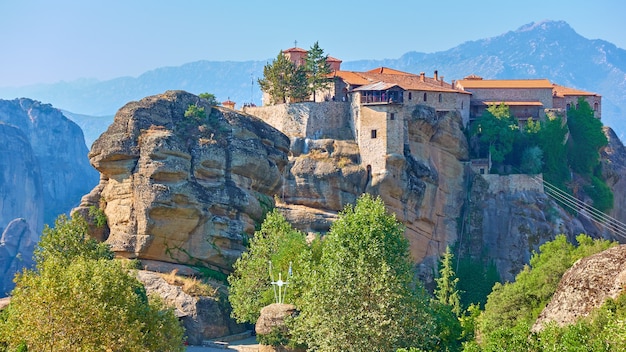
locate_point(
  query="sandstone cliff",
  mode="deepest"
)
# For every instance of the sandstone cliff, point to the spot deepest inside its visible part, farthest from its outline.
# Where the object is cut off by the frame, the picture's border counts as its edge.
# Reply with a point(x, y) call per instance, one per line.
point(43, 172)
point(585, 286)
point(181, 190)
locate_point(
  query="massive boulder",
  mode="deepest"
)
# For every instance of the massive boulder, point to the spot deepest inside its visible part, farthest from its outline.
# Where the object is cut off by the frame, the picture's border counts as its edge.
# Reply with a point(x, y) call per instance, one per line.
point(184, 189)
point(44, 170)
point(586, 286)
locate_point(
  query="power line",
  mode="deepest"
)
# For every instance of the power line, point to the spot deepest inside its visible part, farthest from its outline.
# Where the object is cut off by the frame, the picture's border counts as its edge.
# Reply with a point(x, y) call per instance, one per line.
point(615, 226)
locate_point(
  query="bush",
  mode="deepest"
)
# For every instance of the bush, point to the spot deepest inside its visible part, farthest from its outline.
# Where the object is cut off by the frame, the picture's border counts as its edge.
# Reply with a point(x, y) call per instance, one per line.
point(80, 299)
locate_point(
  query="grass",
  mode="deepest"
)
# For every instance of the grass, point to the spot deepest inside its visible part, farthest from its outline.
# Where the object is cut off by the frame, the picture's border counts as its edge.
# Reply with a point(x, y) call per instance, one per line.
point(190, 285)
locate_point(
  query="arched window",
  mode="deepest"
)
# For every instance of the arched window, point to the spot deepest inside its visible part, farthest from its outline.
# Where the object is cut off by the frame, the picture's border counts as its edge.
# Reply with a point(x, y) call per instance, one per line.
point(567, 106)
point(410, 96)
point(425, 97)
point(440, 98)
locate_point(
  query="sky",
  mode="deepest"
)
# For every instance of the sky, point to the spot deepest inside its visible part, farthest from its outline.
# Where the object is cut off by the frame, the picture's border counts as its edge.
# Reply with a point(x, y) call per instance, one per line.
point(44, 41)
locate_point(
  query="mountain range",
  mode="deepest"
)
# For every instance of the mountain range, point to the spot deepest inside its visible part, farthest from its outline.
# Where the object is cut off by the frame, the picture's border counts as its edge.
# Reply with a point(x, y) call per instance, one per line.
point(548, 49)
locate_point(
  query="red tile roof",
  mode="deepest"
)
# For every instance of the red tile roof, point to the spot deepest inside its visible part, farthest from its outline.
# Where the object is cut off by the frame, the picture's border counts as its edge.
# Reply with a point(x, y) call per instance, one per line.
point(391, 77)
point(504, 83)
point(561, 91)
point(294, 49)
point(332, 59)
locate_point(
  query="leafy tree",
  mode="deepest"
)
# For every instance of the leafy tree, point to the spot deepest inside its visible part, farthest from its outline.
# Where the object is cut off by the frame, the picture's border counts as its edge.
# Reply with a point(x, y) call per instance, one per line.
point(517, 304)
point(551, 139)
point(80, 299)
point(532, 160)
point(284, 81)
point(362, 296)
point(250, 288)
point(497, 128)
point(317, 69)
point(210, 98)
point(586, 138)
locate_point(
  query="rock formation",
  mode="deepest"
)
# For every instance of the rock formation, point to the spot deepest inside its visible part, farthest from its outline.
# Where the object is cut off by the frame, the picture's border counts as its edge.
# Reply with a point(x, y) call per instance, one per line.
point(585, 286)
point(44, 170)
point(613, 159)
point(184, 190)
point(203, 317)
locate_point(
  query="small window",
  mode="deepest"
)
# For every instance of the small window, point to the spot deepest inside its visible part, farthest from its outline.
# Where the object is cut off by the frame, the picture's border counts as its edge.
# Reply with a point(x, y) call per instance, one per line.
point(595, 107)
point(482, 170)
point(411, 96)
point(373, 134)
point(576, 106)
point(392, 116)
point(462, 105)
point(425, 97)
point(440, 98)
point(567, 106)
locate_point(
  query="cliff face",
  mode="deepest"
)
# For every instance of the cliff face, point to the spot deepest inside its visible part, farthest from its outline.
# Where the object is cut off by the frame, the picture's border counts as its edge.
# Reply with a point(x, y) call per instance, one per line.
point(182, 190)
point(613, 159)
point(43, 172)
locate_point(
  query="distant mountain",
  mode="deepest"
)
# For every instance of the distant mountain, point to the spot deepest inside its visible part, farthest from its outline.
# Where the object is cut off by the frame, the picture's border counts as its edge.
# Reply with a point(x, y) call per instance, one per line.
point(549, 49)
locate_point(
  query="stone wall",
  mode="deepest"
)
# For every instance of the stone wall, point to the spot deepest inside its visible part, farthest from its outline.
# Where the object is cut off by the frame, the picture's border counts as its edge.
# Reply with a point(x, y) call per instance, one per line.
point(514, 183)
point(514, 94)
point(308, 120)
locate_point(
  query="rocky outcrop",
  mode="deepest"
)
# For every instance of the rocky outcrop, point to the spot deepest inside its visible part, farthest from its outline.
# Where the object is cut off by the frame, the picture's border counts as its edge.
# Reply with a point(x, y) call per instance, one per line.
point(613, 158)
point(17, 244)
point(504, 226)
point(44, 171)
point(324, 175)
point(184, 190)
point(203, 317)
point(586, 286)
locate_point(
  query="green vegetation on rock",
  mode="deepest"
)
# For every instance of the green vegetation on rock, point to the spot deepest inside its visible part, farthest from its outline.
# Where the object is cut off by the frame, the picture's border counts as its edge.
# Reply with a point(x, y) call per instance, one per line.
point(78, 298)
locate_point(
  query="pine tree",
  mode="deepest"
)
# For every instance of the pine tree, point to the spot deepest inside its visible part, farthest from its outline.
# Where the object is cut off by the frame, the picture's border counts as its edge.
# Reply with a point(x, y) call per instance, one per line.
point(276, 76)
point(317, 69)
point(446, 291)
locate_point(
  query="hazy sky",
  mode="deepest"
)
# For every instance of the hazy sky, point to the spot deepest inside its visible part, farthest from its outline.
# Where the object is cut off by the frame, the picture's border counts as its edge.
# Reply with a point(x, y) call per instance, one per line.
point(44, 41)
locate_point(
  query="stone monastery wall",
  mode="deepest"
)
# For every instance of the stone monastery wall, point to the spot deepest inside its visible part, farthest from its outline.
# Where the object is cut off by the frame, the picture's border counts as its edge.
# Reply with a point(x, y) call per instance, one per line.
point(308, 120)
point(514, 183)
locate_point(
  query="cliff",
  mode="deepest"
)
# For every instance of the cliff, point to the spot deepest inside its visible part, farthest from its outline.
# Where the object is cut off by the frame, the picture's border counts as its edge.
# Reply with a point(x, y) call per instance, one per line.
point(184, 190)
point(43, 172)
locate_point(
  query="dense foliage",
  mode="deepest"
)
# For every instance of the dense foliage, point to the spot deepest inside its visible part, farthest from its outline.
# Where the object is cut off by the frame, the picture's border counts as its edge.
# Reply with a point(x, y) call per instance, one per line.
point(78, 298)
point(250, 288)
point(497, 130)
point(210, 98)
point(513, 307)
point(363, 296)
point(356, 290)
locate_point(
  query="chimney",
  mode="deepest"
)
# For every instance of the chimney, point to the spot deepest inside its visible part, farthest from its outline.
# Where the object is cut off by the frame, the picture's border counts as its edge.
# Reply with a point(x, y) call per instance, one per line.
point(422, 75)
point(452, 84)
point(436, 75)
point(441, 81)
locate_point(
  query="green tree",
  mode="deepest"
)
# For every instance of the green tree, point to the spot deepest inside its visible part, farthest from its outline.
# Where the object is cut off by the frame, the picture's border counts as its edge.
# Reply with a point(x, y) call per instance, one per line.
point(446, 291)
point(284, 81)
point(586, 138)
point(210, 98)
point(551, 139)
point(80, 299)
point(317, 69)
point(362, 296)
point(497, 128)
point(250, 288)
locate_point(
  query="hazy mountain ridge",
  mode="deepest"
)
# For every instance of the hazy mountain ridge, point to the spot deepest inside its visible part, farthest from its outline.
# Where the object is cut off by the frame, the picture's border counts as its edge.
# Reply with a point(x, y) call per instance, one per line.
point(547, 49)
